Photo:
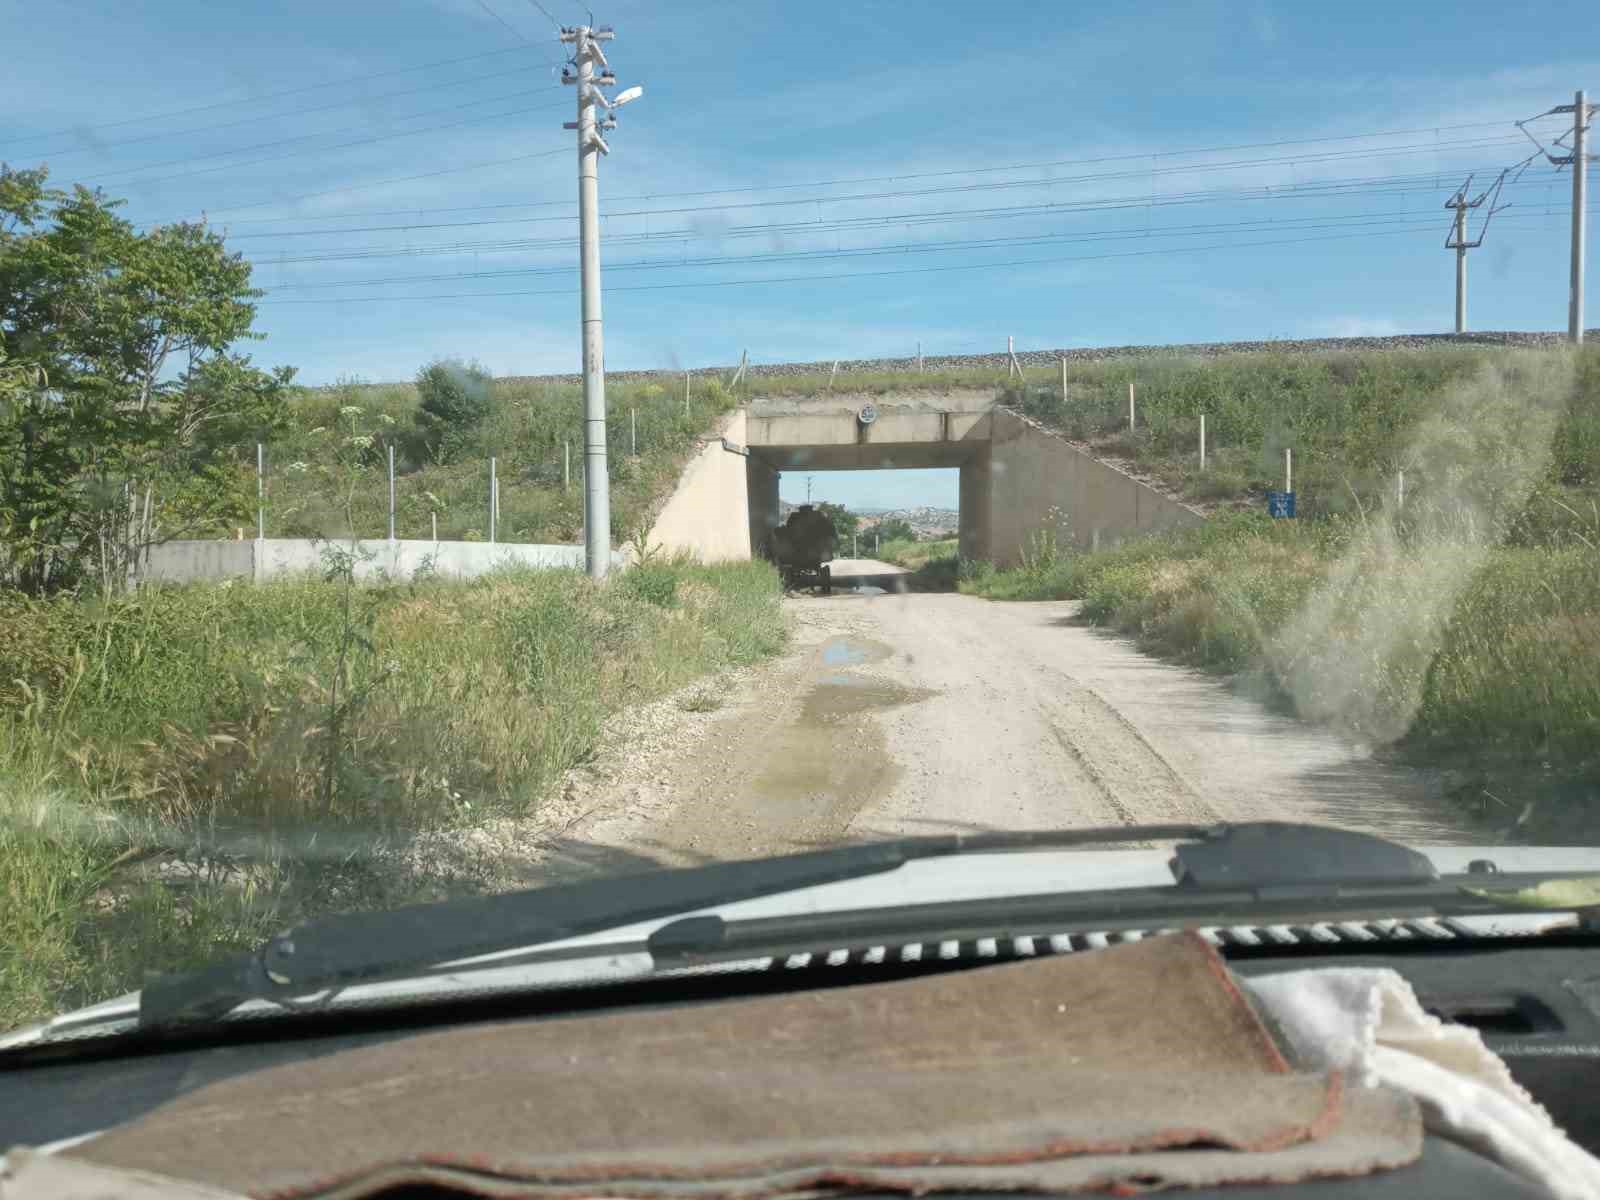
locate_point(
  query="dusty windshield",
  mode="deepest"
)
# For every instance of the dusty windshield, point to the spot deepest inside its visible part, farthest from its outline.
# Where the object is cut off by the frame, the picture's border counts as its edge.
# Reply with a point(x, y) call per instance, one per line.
point(453, 447)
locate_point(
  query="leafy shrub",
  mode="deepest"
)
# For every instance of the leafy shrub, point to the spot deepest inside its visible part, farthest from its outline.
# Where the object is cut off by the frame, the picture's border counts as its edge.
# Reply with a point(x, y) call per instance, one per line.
point(453, 401)
point(654, 583)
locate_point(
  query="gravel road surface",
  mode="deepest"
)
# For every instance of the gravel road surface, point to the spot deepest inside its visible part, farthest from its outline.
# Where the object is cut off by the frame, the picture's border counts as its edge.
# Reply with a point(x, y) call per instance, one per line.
point(919, 713)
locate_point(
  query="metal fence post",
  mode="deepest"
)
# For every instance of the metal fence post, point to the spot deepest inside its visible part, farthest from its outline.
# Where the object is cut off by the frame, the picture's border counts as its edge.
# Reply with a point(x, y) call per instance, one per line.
point(261, 494)
point(391, 493)
point(494, 487)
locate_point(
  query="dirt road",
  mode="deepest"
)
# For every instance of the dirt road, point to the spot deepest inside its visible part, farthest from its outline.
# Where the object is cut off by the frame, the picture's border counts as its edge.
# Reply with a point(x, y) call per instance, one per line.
point(894, 714)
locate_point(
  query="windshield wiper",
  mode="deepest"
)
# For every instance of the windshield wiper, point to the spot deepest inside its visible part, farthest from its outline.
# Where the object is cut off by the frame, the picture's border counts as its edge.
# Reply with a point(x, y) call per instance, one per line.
point(341, 951)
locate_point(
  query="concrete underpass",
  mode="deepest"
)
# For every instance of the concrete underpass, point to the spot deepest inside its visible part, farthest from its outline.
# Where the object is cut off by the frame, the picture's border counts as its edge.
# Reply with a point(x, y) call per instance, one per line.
point(1015, 476)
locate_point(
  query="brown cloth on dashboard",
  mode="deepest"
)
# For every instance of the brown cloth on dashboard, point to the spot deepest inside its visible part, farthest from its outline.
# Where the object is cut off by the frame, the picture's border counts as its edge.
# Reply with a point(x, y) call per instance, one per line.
point(1116, 1067)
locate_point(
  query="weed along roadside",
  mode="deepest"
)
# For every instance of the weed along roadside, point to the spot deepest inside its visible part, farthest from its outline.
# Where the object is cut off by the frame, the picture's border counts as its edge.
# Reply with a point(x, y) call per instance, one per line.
point(186, 769)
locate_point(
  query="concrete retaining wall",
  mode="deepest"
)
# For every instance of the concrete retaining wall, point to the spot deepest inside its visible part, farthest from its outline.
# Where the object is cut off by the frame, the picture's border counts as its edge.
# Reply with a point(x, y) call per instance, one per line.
point(189, 561)
point(1032, 471)
point(709, 513)
point(185, 561)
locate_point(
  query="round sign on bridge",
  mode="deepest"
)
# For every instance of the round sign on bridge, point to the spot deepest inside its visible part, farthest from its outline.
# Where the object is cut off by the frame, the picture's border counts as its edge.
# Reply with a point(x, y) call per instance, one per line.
point(868, 414)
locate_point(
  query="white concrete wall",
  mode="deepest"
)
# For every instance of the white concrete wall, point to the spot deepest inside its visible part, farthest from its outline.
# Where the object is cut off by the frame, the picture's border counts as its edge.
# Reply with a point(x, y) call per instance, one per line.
point(185, 561)
point(188, 561)
point(1032, 471)
point(708, 514)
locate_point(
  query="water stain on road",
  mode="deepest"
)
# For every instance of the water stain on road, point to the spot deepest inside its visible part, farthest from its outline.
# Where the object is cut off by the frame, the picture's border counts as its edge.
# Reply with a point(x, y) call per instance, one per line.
point(799, 780)
point(834, 753)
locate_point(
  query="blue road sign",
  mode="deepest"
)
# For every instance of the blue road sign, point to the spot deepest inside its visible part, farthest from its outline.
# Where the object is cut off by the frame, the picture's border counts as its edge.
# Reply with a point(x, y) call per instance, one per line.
point(1280, 504)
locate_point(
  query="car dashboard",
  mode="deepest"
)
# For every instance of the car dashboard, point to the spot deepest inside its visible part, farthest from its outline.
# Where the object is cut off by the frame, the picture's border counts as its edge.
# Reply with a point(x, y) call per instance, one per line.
point(1534, 1000)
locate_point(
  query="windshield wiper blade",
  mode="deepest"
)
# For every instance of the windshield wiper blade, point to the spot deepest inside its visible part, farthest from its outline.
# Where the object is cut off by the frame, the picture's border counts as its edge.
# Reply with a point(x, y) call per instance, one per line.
point(341, 951)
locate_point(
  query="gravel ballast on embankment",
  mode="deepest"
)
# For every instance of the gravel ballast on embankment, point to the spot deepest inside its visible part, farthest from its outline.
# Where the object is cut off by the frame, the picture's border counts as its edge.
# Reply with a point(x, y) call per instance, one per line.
point(1050, 358)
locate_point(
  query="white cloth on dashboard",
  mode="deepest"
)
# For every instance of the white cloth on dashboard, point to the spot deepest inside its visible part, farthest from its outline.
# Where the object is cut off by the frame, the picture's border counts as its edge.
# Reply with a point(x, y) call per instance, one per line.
point(1367, 1021)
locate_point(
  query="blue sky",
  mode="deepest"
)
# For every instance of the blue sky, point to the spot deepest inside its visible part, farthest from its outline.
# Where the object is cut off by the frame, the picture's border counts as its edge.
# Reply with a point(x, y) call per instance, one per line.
point(1062, 138)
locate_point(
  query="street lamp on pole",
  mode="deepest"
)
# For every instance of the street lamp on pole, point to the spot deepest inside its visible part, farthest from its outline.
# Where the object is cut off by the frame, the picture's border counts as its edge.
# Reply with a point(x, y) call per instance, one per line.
point(582, 73)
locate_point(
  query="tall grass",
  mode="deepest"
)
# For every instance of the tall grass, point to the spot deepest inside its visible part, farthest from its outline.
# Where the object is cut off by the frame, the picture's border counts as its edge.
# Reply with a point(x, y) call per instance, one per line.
point(184, 736)
point(1513, 661)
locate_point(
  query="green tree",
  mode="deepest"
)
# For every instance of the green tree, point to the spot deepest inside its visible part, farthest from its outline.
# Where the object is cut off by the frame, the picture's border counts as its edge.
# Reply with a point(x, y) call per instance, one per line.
point(453, 401)
point(896, 529)
point(844, 521)
point(127, 430)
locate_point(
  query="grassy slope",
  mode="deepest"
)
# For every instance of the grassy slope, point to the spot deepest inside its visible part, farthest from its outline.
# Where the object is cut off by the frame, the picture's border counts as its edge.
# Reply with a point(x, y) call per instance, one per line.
point(914, 555)
point(321, 483)
point(1351, 418)
point(189, 727)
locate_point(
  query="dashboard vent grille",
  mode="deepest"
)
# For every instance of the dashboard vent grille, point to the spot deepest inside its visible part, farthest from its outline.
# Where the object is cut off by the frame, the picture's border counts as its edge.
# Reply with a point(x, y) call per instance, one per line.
point(1440, 929)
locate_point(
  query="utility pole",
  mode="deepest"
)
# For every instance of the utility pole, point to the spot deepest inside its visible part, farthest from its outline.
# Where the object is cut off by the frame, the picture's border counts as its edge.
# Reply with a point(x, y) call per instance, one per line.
point(1581, 112)
point(1457, 241)
point(580, 72)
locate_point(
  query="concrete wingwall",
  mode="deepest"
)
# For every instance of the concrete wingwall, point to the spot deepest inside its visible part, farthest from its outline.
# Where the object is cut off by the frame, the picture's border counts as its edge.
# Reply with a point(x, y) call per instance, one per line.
point(709, 513)
point(1032, 472)
point(192, 561)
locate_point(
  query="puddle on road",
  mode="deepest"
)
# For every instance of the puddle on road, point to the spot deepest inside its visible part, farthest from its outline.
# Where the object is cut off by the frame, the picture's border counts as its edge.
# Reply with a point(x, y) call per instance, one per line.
point(850, 652)
point(839, 696)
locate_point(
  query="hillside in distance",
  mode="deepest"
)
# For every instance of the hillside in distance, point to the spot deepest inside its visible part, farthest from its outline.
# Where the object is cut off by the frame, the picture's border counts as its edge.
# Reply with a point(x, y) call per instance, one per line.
point(925, 520)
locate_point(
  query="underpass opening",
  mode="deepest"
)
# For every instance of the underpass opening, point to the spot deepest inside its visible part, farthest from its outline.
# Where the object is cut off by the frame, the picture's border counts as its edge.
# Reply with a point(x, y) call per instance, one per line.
point(911, 495)
point(834, 435)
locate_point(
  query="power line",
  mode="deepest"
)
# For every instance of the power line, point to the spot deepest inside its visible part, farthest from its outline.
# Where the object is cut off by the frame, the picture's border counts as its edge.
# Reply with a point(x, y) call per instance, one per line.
point(1046, 182)
point(879, 220)
point(358, 187)
point(367, 141)
point(293, 112)
point(1102, 204)
point(515, 32)
point(959, 171)
point(406, 212)
point(985, 266)
point(305, 137)
point(546, 12)
point(1408, 219)
point(296, 91)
